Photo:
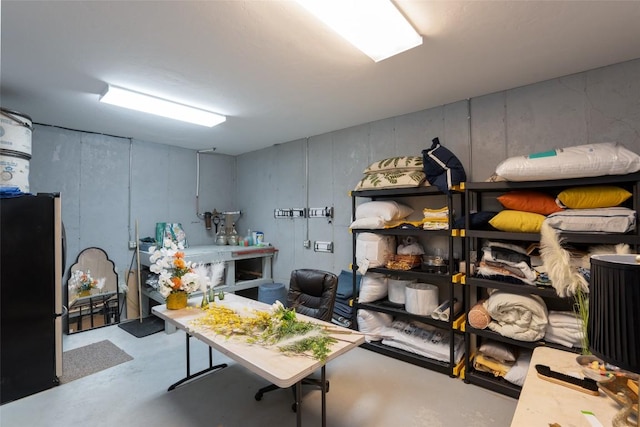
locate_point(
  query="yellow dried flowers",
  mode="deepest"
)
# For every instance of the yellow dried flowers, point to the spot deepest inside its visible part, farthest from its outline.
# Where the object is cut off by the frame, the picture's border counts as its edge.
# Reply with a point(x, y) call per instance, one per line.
point(269, 328)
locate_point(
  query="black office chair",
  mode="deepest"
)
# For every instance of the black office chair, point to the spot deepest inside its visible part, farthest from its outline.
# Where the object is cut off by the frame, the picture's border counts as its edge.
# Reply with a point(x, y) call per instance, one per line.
point(312, 293)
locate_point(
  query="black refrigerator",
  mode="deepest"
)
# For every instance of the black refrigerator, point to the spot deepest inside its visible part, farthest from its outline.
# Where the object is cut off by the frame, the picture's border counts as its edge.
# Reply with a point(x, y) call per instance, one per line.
point(31, 266)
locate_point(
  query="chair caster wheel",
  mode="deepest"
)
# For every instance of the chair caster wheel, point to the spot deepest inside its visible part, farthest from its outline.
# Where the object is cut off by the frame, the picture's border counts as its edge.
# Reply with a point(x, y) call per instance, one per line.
point(327, 387)
point(294, 407)
point(258, 396)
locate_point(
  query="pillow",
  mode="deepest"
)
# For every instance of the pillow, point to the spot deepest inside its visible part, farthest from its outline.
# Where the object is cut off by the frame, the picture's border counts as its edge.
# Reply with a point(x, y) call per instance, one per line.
point(476, 220)
point(373, 324)
point(605, 220)
point(529, 201)
point(606, 158)
point(518, 371)
point(478, 316)
point(368, 223)
point(442, 167)
point(499, 351)
point(373, 287)
point(517, 221)
point(391, 179)
point(386, 209)
point(601, 196)
point(406, 163)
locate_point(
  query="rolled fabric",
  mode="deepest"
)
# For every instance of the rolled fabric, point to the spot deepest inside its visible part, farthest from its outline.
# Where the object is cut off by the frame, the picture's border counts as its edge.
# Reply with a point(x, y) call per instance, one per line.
point(478, 316)
point(443, 311)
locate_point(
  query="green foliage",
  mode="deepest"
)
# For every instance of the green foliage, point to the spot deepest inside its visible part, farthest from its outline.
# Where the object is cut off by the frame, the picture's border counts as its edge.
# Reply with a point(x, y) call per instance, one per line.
point(581, 309)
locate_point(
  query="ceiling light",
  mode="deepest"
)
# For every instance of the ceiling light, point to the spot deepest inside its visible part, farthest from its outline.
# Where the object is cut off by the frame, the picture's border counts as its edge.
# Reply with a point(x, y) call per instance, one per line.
point(161, 107)
point(376, 27)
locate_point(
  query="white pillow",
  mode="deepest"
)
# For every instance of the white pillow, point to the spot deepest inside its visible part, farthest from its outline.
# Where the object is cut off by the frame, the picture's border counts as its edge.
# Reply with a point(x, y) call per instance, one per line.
point(368, 223)
point(606, 158)
point(518, 371)
point(373, 324)
point(388, 210)
point(373, 287)
point(604, 220)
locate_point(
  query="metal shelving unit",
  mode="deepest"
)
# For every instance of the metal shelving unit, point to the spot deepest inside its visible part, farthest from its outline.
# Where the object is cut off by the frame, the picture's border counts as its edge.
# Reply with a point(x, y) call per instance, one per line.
point(447, 283)
point(476, 194)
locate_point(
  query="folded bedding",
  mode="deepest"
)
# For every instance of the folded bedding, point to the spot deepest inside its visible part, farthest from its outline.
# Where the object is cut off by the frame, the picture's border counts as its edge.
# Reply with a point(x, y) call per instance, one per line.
point(485, 363)
point(342, 308)
point(345, 284)
point(564, 328)
point(521, 317)
point(509, 262)
point(422, 339)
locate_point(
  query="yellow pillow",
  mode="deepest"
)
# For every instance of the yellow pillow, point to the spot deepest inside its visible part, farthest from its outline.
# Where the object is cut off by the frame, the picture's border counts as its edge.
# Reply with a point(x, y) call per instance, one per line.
point(517, 221)
point(600, 196)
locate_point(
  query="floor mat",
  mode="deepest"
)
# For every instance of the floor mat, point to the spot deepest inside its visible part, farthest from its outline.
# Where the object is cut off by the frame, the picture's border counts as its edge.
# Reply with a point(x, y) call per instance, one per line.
point(92, 358)
point(149, 325)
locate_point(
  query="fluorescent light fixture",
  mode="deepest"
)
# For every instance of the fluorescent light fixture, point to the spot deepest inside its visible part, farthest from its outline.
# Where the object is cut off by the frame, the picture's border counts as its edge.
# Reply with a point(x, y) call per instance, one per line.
point(161, 107)
point(376, 27)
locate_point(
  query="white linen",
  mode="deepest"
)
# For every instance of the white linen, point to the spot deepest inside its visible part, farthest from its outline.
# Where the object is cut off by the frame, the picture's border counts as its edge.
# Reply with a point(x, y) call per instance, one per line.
point(521, 317)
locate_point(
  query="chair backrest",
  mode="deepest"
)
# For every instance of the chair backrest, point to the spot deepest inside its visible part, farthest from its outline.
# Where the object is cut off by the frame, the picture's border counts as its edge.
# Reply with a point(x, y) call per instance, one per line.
point(313, 293)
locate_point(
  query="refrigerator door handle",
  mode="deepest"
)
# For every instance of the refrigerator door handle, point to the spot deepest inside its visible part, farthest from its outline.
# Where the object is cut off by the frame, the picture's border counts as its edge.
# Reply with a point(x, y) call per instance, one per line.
point(65, 311)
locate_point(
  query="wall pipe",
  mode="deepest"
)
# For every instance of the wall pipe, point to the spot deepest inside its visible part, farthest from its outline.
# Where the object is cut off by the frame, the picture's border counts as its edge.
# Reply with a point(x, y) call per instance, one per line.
point(207, 151)
point(214, 216)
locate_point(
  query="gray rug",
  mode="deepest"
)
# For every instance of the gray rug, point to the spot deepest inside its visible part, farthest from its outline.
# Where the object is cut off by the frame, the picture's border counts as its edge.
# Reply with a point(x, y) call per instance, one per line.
point(92, 358)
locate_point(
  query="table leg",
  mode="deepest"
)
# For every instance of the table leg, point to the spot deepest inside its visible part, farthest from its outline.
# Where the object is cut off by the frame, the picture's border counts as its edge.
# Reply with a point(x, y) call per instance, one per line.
point(191, 376)
point(299, 404)
point(323, 379)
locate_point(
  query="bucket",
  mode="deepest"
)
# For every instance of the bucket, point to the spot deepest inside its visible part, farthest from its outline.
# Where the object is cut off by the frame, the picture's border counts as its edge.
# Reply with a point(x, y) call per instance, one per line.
point(396, 290)
point(421, 298)
point(15, 131)
point(14, 170)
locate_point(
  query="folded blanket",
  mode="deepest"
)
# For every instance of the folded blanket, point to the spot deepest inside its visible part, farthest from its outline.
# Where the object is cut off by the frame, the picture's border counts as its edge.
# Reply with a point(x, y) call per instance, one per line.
point(565, 337)
point(342, 309)
point(521, 317)
point(345, 284)
point(505, 273)
point(565, 319)
point(564, 328)
point(488, 364)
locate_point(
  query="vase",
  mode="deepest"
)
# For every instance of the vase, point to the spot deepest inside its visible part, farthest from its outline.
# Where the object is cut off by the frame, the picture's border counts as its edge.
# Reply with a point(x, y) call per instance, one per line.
point(177, 300)
point(84, 293)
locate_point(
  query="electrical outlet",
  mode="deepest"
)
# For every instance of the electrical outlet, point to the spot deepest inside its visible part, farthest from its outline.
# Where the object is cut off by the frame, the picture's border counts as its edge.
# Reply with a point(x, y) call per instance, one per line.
point(132, 244)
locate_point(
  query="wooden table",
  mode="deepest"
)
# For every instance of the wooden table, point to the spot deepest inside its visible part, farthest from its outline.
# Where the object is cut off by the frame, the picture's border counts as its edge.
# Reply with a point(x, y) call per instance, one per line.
point(271, 364)
point(543, 403)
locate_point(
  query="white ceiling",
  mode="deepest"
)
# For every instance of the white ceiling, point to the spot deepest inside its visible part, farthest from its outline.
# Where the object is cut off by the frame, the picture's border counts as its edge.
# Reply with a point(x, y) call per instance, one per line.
point(277, 73)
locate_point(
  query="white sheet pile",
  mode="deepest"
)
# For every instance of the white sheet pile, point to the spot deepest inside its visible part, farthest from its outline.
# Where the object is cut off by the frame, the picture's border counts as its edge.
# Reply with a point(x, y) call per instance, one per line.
point(564, 328)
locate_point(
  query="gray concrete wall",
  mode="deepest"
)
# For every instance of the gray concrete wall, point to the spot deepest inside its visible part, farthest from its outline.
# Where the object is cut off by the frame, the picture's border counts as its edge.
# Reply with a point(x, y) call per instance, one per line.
point(595, 106)
point(92, 171)
point(102, 201)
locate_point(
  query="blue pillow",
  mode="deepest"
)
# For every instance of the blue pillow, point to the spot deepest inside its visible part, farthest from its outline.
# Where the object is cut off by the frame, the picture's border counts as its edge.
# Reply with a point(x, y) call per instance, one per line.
point(442, 167)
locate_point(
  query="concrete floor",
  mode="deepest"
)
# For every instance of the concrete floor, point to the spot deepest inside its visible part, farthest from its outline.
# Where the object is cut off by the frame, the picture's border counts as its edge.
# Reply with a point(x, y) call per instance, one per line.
point(367, 389)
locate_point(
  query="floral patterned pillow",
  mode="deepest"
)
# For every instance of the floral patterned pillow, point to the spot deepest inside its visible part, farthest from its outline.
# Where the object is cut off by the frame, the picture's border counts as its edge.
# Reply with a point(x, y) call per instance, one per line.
point(401, 163)
point(391, 179)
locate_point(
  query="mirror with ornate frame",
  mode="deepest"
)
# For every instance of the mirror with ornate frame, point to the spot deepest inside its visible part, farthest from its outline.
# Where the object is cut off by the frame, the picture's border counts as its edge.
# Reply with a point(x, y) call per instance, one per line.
point(92, 292)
